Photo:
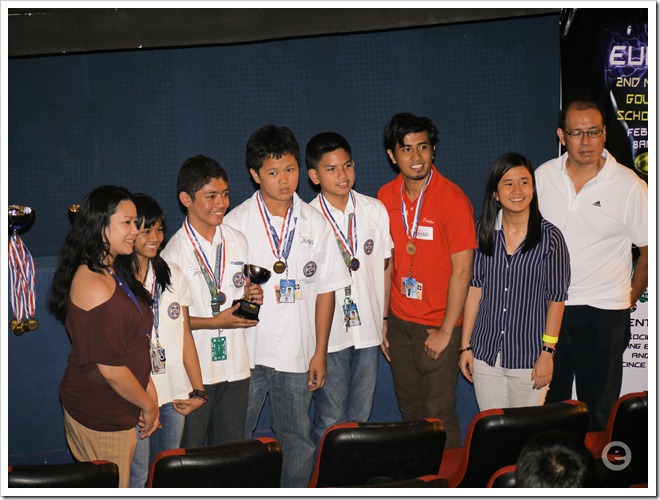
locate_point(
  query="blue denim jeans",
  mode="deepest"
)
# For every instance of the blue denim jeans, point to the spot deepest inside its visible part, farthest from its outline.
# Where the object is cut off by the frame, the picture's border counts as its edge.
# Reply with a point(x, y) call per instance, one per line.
point(348, 394)
point(222, 419)
point(167, 438)
point(289, 406)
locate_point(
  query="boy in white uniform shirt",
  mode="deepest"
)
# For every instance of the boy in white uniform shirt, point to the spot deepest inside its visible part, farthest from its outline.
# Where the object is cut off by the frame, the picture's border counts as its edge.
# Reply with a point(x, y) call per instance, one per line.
point(211, 258)
point(361, 226)
point(288, 347)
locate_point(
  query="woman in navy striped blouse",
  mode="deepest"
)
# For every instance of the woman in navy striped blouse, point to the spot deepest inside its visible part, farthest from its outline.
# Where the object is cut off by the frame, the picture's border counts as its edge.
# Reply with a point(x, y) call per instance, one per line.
point(516, 298)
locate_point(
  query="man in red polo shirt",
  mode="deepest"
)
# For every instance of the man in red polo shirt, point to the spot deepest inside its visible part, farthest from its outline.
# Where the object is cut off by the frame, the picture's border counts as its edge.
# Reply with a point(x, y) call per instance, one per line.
point(432, 225)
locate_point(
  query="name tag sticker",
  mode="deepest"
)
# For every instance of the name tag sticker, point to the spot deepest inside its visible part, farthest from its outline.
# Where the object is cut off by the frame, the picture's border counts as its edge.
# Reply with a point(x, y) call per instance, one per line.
point(425, 233)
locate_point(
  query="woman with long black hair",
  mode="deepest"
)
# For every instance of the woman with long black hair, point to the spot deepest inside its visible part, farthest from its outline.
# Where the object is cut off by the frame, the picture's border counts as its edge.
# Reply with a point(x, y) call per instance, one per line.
point(515, 303)
point(107, 387)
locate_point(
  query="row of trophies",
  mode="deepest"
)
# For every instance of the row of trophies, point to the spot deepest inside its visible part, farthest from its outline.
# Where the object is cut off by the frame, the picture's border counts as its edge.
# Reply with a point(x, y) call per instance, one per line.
point(22, 272)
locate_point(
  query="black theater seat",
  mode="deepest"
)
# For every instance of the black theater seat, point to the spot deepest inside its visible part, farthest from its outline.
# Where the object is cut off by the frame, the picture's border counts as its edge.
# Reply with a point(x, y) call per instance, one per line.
point(496, 437)
point(94, 474)
point(254, 463)
point(353, 454)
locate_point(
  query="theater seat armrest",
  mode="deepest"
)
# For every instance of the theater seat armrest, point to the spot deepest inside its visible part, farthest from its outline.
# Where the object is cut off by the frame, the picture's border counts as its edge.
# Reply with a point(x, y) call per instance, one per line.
point(595, 441)
point(452, 460)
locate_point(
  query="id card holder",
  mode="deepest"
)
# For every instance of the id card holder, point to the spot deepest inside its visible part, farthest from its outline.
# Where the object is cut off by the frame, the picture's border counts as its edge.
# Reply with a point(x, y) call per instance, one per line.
point(287, 291)
point(218, 348)
point(354, 315)
point(346, 307)
point(409, 287)
point(157, 360)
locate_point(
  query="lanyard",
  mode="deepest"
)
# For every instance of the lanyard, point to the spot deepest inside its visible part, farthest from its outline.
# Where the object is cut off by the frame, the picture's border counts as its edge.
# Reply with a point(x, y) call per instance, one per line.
point(120, 281)
point(213, 279)
point(155, 295)
point(278, 246)
point(348, 244)
point(411, 230)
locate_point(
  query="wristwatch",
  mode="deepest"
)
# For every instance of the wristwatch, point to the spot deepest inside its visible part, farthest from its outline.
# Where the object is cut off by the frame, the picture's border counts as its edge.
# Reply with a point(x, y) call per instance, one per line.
point(633, 308)
point(549, 350)
point(199, 394)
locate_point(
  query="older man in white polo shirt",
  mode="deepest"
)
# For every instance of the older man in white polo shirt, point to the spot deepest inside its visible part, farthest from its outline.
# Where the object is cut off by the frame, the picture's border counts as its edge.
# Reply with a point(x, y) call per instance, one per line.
point(601, 208)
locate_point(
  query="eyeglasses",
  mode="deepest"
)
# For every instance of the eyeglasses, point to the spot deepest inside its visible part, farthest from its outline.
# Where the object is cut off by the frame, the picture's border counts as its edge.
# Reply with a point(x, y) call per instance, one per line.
point(576, 135)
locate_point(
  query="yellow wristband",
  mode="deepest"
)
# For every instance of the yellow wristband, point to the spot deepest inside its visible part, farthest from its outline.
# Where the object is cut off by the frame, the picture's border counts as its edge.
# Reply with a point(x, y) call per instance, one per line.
point(549, 339)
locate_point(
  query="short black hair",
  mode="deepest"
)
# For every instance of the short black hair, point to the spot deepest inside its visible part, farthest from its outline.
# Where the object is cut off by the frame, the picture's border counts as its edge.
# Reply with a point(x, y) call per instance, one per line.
point(402, 124)
point(581, 105)
point(323, 143)
point(555, 459)
point(197, 172)
point(270, 141)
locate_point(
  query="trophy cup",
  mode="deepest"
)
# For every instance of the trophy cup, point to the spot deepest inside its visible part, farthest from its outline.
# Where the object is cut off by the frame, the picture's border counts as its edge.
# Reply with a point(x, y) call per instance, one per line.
point(258, 275)
point(21, 271)
point(73, 212)
point(20, 218)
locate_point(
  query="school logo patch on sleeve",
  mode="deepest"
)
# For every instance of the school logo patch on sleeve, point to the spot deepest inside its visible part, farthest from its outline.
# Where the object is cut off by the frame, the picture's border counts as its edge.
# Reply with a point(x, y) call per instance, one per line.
point(174, 310)
point(238, 279)
point(368, 247)
point(310, 269)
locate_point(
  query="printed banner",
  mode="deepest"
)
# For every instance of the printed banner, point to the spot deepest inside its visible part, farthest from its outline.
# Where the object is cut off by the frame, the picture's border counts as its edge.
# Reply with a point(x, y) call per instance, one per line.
point(604, 58)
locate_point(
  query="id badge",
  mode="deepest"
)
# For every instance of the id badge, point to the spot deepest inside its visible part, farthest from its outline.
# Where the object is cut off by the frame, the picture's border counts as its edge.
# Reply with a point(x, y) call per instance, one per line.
point(288, 291)
point(157, 360)
point(411, 288)
point(351, 314)
point(218, 348)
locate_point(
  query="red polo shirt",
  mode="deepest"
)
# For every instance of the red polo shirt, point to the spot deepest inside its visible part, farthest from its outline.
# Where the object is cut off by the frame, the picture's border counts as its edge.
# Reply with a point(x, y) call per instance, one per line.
point(446, 226)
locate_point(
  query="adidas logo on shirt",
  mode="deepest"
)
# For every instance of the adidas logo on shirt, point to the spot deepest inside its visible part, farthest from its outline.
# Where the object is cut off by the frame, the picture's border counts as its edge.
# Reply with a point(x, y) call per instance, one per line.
point(596, 203)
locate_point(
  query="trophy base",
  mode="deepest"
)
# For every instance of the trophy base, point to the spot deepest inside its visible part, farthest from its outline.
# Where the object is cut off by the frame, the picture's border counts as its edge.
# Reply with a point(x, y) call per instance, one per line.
point(247, 310)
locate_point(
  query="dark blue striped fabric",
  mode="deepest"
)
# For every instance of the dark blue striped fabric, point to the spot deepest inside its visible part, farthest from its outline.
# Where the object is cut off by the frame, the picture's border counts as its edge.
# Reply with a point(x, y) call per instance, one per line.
point(514, 296)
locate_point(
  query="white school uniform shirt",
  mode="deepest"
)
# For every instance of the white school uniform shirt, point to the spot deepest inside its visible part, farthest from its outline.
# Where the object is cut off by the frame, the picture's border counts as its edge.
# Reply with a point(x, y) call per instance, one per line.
point(179, 250)
point(174, 383)
point(374, 245)
point(285, 338)
point(599, 224)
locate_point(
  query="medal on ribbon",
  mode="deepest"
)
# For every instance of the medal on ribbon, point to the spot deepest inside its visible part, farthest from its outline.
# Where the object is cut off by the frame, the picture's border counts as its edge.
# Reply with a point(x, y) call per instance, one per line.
point(280, 244)
point(347, 243)
point(22, 273)
point(212, 276)
point(411, 229)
